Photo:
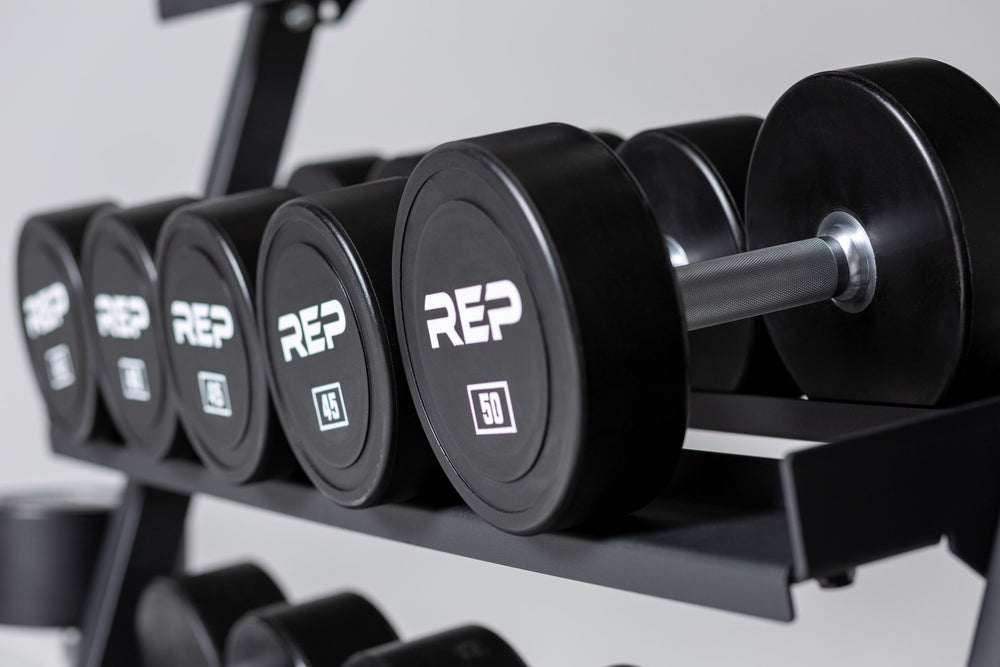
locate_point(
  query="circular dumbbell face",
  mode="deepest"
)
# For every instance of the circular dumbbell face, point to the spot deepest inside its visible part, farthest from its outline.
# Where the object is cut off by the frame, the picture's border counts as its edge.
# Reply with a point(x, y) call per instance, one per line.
point(693, 176)
point(209, 326)
point(328, 361)
point(50, 290)
point(501, 282)
point(119, 277)
point(909, 150)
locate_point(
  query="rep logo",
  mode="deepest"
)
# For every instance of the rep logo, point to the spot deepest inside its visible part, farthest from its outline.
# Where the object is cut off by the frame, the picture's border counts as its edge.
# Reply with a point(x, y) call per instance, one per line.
point(134, 379)
point(311, 330)
point(120, 315)
point(45, 310)
point(331, 412)
point(201, 324)
point(480, 310)
point(492, 411)
point(214, 389)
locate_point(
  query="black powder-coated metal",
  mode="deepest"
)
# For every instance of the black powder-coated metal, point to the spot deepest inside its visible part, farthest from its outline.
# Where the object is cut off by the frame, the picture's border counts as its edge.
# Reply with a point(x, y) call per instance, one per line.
point(186, 620)
point(469, 646)
point(324, 312)
point(910, 149)
point(53, 320)
point(260, 104)
point(119, 277)
point(320, 633)
point(206, 258)
point(144, 539)
point(728, 531)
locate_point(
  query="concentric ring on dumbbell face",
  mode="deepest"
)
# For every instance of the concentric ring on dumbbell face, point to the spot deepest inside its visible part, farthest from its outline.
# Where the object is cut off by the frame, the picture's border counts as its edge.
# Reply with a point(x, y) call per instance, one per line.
point(910, 150)
point(308, 280)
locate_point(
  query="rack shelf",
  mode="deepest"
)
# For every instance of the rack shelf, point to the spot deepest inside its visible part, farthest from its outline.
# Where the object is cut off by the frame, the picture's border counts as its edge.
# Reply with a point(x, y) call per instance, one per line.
point(731, 532)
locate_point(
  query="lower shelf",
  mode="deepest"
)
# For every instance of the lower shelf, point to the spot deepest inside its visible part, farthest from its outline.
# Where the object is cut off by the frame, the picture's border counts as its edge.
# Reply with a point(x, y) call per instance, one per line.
point(730, 532)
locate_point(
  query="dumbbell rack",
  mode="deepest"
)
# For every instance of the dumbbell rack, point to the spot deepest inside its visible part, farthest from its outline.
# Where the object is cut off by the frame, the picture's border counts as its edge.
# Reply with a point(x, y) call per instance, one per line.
point(729, 531)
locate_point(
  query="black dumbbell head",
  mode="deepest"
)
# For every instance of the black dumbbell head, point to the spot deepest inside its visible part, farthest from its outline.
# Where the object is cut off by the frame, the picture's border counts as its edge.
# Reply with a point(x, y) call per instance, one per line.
point(185, 621)
point(541, 329)
point(206, 257)
point(49, 544)
point(332, 174)
point(320, 633)
point(910, 149)
point(324, 306)
point(51, 302)
point(119, 285)
point(694, 178)
point(397, 167)
point(470, 646)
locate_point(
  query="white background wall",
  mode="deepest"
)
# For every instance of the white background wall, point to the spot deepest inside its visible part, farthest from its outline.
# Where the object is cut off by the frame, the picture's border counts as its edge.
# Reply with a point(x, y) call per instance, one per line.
point(99, 98)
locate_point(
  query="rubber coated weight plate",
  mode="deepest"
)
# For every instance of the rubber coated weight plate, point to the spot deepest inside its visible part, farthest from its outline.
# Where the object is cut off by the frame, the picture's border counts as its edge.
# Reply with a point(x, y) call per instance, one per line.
point(119, 278)
point(540, 327)
point(50, 292)
point(401, 166)
point(324, 307)
point(186, 621)
point(320, 633)
point(49, 543)
point(321, 176)
point(610, 138)
point(206, 256)
point(694, 177)
point(470, 646)
point(910, 149)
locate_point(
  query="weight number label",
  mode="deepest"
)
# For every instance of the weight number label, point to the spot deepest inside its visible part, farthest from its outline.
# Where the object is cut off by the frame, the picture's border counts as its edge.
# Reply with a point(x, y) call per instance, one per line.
point(134, 379)
point(492, 410)
point(214, 389)
point(331, 412)
point(59, 367)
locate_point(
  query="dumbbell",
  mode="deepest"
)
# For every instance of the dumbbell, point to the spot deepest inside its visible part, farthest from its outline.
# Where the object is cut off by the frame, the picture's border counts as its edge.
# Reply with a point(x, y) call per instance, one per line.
point(186, 620)
point(544, 332)
point(324, 312)
point(469, 646)
point(694, 178)
point(314, 634)
point(50, 292)
point(331, 174)
point(49, 545)
point(206, 259)
point(118, 286)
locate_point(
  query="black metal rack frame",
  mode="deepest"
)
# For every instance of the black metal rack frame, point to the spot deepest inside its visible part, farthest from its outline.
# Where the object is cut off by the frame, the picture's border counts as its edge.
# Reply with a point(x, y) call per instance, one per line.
point(730, 532)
